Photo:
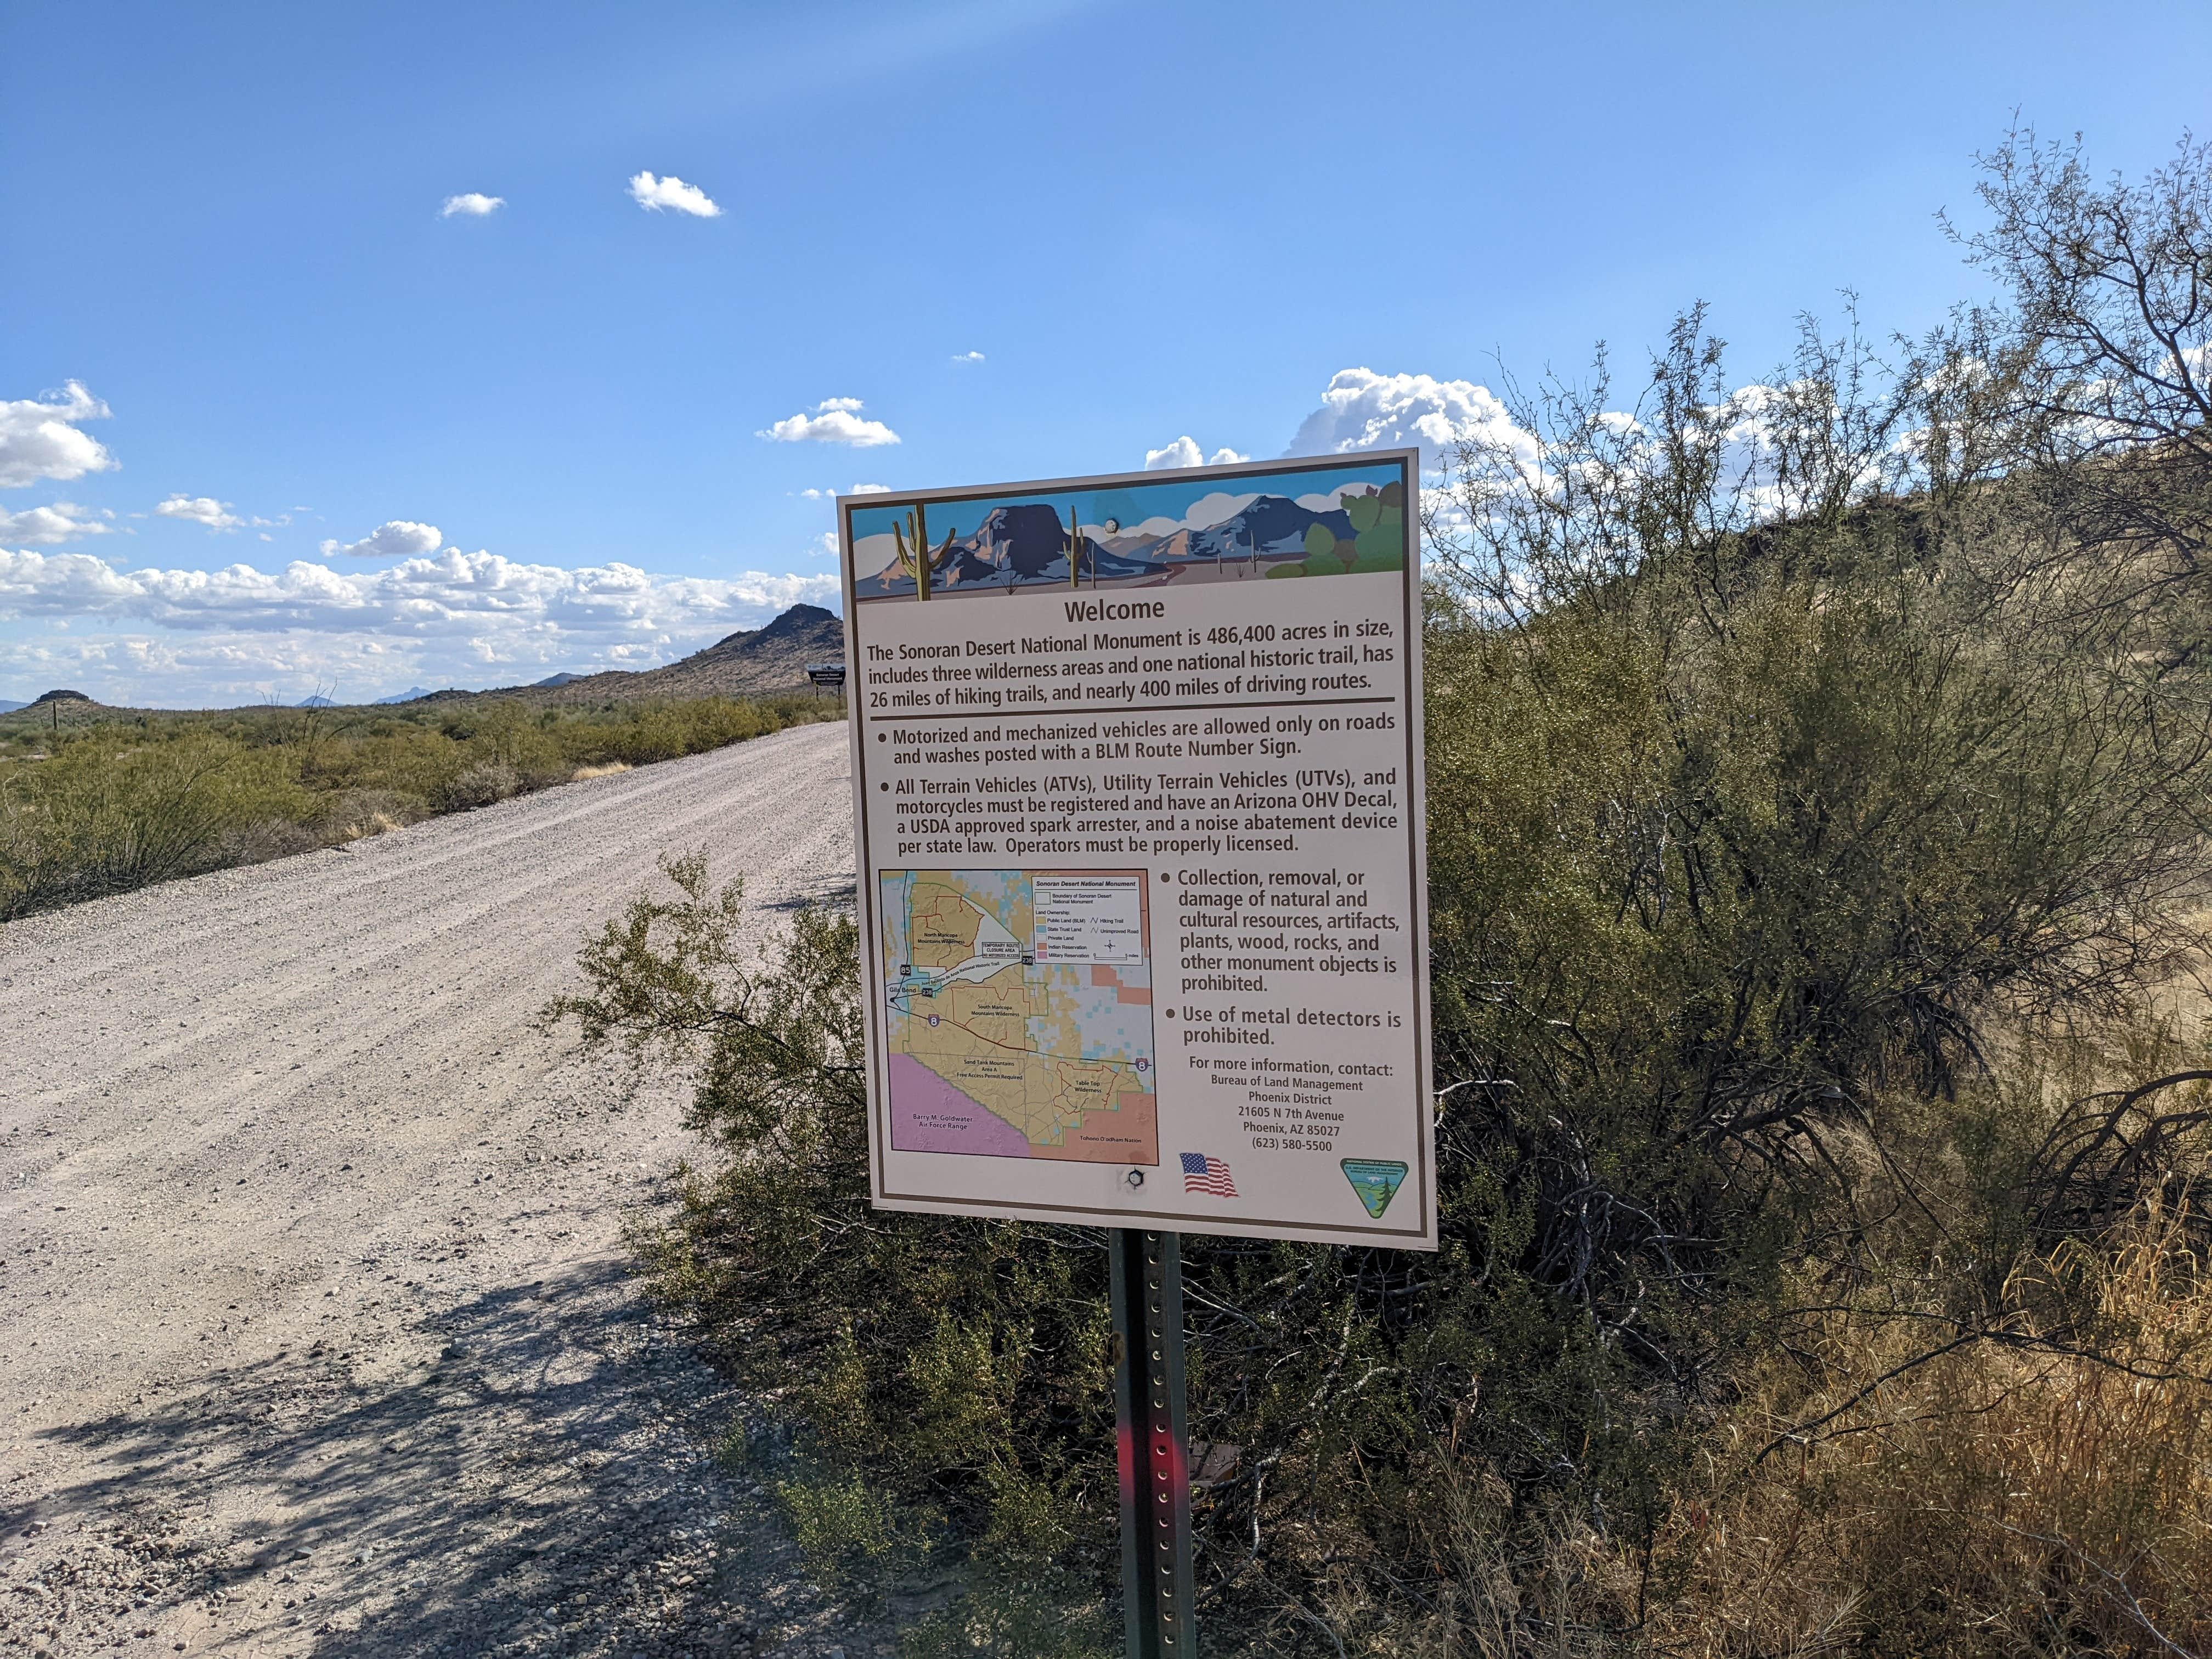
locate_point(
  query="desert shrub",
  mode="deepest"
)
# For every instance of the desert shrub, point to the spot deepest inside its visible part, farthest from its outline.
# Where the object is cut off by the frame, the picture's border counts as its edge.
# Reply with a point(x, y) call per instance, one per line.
point(259, 842)
point(484, 784)
point(107, 813)
point(351, 814)
point(962, 1366)
point(102, 801)
point(669, 731)
point(1804, 773)
point(508, 744)
point(950, 1376)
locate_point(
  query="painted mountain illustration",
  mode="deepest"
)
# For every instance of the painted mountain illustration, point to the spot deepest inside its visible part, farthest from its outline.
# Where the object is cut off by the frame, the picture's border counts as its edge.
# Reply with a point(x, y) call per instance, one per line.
point(1026, 544)
point(1271, 525)
point(1021, 546)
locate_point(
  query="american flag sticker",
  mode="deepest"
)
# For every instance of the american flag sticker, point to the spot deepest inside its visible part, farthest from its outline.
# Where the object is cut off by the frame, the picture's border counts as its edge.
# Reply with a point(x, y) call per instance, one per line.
point(1201, 1174)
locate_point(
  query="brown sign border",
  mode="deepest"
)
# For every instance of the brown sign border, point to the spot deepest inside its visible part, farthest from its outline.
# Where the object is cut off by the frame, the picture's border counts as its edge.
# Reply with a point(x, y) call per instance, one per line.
point(1421, 1236)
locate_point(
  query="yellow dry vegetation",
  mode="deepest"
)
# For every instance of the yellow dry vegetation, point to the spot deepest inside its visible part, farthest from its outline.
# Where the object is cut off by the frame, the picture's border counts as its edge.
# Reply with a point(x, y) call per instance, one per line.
point(2035, 1488)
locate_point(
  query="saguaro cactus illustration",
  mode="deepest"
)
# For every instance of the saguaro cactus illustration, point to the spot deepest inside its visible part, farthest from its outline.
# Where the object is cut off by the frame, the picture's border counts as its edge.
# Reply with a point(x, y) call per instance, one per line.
point(1075, 549)
point(915, 556)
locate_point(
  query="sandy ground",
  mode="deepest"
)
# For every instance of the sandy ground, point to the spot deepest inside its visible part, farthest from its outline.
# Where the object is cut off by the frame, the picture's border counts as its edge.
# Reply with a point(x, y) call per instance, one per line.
point(315, 1336)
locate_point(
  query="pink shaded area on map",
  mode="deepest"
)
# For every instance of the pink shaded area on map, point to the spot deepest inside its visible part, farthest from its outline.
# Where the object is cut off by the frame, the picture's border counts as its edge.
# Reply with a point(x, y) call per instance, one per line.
point(928, 1115)
point(1101, 976)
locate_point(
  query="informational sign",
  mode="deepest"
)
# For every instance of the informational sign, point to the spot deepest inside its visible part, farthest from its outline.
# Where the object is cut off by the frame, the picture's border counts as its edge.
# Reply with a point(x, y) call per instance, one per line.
point(1137, 763)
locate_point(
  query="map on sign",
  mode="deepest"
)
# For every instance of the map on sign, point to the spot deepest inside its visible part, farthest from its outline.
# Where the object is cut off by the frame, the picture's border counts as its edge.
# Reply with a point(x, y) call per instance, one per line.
point(1019, 1014)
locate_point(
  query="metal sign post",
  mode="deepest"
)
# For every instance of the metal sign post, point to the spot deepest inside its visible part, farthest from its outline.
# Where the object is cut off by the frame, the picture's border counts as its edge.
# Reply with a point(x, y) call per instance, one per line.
point(1157, 1585)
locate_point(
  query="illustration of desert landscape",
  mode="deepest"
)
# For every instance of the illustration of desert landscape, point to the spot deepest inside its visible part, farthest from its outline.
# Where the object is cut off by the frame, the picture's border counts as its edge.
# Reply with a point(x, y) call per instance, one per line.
point(1305, 521)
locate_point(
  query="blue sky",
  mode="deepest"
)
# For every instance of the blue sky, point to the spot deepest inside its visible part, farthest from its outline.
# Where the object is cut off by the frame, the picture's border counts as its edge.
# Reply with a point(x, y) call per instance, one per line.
point(1151, 222)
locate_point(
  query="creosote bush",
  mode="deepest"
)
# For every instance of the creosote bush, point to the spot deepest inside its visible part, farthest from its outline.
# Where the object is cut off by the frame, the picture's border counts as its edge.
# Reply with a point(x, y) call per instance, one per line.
point(1817, 779)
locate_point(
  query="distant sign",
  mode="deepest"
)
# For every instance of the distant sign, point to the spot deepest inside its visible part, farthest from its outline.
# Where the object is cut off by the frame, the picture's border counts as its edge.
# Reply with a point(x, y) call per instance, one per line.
point(831, 674)
point(1139, 790)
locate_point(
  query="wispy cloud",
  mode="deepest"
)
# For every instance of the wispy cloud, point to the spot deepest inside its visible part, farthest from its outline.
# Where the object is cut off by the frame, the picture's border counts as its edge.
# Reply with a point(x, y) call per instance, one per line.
point(967, 357)
point(835, 421)
point(655, 195)
point(395, 538)
point(38, 438)
point(472, 204)
point(200, 510)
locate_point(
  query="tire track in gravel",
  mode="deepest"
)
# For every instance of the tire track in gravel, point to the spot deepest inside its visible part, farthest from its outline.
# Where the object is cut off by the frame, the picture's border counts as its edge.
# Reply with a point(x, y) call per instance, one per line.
point(314, 1333)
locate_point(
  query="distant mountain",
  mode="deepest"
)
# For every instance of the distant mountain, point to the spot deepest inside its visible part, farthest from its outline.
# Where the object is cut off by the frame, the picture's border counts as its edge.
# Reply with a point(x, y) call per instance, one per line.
point(770, 659)
point(59, 702)
point(316, 699)
point(743, 664)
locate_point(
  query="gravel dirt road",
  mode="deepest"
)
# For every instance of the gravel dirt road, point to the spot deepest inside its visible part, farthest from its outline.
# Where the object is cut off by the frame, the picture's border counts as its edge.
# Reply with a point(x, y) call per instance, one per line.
point(315, 1336)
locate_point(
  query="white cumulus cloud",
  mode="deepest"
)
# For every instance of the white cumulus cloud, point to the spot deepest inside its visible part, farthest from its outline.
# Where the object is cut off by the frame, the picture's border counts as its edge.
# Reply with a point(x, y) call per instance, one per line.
point(395, 538)
point(199, 637)
point(1362, 410)
point(1185, 452)
point(201, 510)
point(835, 421)
point(967, 357)
point(43, 526)
point(471, 205)
point(654, 195)
point(39, 437)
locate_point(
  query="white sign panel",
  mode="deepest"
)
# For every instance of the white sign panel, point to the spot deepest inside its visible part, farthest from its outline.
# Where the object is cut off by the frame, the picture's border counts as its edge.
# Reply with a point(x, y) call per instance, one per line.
point(1137, 763)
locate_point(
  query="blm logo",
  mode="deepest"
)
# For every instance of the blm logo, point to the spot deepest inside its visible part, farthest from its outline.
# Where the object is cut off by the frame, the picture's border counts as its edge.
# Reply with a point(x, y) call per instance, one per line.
point(1375, 1180)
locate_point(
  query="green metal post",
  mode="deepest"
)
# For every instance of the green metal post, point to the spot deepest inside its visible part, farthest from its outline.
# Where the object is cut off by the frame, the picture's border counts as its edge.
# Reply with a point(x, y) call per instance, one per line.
point(1157, 1585)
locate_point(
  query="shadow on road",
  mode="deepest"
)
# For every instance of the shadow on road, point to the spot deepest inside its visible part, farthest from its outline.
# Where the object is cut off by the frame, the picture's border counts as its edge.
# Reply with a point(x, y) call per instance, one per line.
point(531, 1467)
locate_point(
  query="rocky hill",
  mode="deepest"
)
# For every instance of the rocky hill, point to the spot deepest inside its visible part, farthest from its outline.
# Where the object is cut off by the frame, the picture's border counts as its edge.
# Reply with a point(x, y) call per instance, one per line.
point(770, 659)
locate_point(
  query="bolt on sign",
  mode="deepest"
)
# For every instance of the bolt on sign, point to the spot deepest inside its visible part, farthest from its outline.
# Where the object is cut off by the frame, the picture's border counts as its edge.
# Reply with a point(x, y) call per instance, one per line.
point(1137, 763)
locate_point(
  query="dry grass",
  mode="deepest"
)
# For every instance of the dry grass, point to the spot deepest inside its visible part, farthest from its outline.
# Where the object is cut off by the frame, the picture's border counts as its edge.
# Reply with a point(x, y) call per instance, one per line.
point(1512, 1587)
point(2045, 1491)
point(376, 823)
point(582, 773)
